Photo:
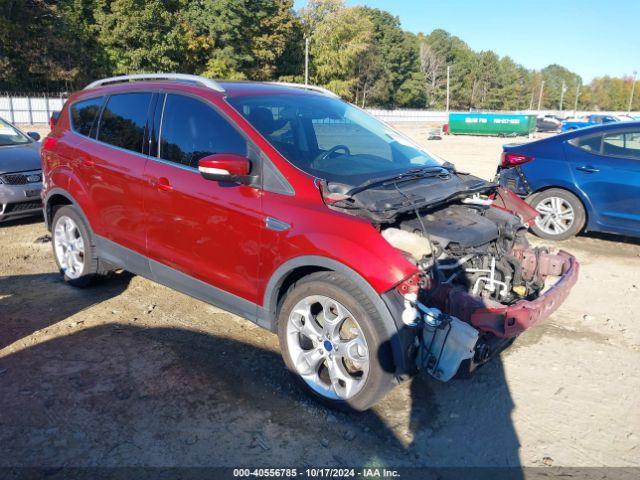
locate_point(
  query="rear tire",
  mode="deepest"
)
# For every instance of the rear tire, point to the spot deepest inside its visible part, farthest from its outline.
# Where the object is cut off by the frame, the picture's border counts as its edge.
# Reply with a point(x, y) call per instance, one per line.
point(73, 247)
point(561, 214)
point(342, 359)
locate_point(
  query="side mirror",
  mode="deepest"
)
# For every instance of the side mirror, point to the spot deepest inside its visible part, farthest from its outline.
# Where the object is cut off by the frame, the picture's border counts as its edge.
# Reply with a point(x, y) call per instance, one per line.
point(34, 135)
point(226, 167)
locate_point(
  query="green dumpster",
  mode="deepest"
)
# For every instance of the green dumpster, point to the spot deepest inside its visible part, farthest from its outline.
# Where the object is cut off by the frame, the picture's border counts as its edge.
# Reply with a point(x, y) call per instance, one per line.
point(491, 124)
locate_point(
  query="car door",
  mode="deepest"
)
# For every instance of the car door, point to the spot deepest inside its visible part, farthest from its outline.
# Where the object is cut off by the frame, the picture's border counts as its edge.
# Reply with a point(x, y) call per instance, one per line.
point(606, 168)
point(202, 235)
point(112, 169)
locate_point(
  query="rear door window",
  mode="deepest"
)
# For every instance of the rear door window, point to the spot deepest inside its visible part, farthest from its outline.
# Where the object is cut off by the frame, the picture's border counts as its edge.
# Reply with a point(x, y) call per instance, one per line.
point(124, 119)
point(84, 115)
point(192, 130)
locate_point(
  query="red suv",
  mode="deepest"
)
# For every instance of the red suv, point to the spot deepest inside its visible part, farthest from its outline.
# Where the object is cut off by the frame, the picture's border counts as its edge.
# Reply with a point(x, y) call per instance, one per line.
point(370, 258)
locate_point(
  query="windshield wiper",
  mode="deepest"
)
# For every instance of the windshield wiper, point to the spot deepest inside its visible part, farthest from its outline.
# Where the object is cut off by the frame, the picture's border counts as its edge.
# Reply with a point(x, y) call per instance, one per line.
point(412, 174)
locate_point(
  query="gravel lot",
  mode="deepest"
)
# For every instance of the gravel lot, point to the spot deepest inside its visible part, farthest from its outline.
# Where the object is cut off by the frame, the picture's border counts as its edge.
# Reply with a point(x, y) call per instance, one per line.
point(131, 373)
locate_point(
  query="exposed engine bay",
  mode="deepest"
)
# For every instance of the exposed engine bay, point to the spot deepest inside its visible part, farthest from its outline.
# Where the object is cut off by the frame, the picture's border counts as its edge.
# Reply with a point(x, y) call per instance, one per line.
point(480, 283)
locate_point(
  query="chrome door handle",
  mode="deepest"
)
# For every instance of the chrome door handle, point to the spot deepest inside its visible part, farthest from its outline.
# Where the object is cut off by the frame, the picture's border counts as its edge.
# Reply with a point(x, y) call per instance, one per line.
point(276, 225)
point(588, 169)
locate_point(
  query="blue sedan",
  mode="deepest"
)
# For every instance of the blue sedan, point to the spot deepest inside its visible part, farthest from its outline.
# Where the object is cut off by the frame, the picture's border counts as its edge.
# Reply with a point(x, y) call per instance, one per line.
point(591, 120)
point(588, 179)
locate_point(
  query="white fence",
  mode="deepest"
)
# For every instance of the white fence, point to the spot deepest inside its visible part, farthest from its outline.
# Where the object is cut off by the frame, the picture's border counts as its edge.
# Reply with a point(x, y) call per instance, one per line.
point(29, 109)
point(438, 116)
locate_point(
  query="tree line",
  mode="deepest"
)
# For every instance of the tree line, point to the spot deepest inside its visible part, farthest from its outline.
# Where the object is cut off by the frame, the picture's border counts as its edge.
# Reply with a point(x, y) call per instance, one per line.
point(359, 52)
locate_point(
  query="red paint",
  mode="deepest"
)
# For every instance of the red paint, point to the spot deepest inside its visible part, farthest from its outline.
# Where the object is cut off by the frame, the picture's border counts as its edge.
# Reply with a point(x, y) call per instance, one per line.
point(210, 230)
point(231, 163)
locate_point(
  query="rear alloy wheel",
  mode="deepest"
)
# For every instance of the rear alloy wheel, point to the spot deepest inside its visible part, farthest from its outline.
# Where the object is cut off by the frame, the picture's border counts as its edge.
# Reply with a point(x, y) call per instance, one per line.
point(331, 340)
point(73, 248)
point(560, 214)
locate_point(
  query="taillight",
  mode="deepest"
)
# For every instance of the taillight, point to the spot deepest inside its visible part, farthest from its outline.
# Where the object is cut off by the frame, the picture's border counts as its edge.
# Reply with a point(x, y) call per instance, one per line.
point(49, 142)
point(514, 159)
point(53, 119)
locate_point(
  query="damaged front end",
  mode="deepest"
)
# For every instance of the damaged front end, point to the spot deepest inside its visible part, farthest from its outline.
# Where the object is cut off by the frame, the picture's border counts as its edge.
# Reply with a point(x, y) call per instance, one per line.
point(479, 282)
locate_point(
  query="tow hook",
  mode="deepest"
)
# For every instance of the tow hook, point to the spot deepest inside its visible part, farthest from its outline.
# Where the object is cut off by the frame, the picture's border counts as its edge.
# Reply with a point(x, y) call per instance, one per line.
point(445, 342)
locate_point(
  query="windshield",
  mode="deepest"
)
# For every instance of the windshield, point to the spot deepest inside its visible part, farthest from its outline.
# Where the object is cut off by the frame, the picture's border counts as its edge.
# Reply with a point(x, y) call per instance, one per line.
point(9, 135)
point(331, 139)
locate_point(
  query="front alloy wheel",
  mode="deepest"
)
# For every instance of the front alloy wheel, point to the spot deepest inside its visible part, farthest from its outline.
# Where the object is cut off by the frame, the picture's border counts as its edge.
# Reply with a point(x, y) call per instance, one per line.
point(328, 347)
point(335, 342)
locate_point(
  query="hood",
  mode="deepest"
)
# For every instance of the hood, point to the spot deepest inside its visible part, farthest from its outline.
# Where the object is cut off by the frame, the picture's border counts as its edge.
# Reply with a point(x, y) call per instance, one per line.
point(20, 158)
point(384, 203)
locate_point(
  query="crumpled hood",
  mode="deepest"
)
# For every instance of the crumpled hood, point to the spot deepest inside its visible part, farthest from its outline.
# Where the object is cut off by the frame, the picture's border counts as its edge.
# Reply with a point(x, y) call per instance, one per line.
point(420, 193)
point(20, 158)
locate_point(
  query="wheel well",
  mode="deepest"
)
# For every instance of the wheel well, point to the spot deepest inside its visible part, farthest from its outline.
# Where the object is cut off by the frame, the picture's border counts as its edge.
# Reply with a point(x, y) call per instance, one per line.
point(292, 277)
point(56, 201)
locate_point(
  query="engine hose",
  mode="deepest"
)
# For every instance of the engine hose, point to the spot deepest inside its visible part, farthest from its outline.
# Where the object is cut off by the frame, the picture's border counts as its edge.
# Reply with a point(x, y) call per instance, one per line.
point(517, 269)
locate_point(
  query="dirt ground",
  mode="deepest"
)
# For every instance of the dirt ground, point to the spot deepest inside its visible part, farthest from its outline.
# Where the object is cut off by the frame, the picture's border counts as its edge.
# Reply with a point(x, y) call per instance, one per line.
point(131, 373)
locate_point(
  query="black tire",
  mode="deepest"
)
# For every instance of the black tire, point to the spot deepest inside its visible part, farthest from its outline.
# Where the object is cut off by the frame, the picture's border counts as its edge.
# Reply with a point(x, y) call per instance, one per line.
point(380, 379)
point(90, 268)
point(579, 215)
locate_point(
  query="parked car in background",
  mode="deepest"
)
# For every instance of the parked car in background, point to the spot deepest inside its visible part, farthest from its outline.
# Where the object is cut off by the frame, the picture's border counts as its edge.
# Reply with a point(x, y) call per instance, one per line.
point(548, 123)
point(20, 173)
point(588, 180)
point(588, 121)
point(370, 258)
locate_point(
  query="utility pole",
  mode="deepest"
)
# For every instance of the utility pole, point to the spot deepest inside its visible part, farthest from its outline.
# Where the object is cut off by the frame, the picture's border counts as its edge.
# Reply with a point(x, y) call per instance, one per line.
point(633, 88)
point(306, 61)
point(575, 105)
point(562, 94)
point(540, 96)
point(448, 70)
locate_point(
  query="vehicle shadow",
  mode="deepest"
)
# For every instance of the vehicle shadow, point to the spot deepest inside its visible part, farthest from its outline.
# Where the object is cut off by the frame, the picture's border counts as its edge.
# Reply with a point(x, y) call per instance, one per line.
point(32, 302)
point(610, 237)
point(124, 395)
point(37, 218)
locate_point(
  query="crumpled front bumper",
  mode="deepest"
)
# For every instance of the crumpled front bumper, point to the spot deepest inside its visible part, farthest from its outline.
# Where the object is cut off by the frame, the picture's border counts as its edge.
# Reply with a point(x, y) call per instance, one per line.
point(507, 321)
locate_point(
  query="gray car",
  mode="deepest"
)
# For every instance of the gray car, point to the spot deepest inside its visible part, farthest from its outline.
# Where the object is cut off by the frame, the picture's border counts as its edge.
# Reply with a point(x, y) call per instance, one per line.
point(20, 173)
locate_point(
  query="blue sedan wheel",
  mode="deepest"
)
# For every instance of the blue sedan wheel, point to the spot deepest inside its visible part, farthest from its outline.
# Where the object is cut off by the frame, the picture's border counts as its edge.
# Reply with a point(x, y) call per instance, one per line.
point(560, 214)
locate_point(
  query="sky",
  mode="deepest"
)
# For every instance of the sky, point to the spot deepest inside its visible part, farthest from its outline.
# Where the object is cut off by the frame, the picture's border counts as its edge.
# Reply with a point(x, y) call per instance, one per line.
point(592, 38)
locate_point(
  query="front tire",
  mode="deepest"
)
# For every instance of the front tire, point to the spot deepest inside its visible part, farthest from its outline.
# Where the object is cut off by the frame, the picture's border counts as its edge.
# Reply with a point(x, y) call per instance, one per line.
point(73, 248)
point(561, 214)
point(333, 343)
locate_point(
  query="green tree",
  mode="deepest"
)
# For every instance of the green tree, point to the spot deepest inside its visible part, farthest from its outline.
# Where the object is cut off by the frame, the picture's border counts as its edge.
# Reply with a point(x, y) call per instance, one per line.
point(141, 35)
point(234, 39)
point(341, 50)
point(395, 61)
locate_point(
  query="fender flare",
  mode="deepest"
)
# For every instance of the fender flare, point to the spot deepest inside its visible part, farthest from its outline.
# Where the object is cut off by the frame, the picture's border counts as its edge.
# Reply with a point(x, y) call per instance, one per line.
point(390, 322)
point(68, 196)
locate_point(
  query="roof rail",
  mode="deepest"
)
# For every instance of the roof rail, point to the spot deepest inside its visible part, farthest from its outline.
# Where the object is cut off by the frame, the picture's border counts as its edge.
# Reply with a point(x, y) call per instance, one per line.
point(183, 77)
point(313, 88)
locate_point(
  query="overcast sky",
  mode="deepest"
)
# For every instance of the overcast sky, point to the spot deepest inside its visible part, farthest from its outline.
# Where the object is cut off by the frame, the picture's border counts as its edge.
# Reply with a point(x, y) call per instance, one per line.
point(590, 37)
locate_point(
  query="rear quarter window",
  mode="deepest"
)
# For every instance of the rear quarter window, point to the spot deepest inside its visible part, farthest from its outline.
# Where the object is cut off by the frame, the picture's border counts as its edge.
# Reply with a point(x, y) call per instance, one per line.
point(124, 119)
point(590, 143)
point(84, 115)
